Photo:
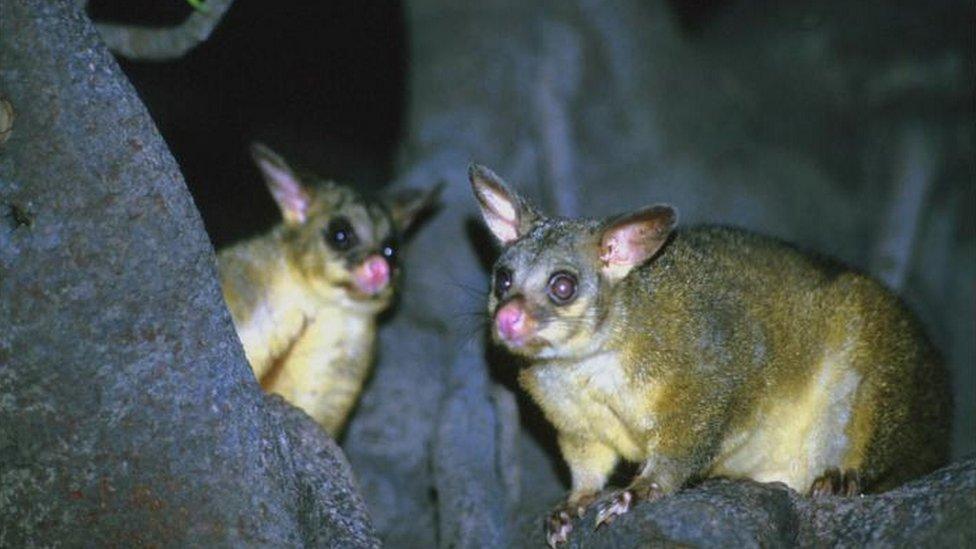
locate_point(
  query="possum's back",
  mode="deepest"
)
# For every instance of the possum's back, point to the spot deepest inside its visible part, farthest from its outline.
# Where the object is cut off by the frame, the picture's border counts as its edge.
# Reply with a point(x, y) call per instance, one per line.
point(830, 387)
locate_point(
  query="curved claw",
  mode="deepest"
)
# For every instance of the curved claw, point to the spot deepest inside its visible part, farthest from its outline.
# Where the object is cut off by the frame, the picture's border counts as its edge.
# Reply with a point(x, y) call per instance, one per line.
point(617, 504)
point(560, 523)
point(558, 526)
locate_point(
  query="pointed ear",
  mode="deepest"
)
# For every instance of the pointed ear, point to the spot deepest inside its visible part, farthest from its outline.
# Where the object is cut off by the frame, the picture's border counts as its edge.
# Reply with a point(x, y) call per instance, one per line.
point(508, 215)
point(286, 188)
point(632, 239)
point(407, 204)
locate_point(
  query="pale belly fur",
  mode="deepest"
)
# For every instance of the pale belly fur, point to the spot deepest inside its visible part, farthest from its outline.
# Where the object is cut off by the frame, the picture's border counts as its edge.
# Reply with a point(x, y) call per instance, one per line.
point(323, 354)
point(791, 441)
point(593, 400)
point(795, 440)
point(329, 361)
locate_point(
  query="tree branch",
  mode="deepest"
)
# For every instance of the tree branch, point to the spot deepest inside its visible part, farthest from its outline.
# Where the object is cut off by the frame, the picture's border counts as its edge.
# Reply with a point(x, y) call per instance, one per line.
point(163, 44)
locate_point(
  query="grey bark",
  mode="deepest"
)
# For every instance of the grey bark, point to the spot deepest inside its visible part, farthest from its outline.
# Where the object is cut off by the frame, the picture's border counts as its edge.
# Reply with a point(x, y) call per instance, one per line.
point(128, 414)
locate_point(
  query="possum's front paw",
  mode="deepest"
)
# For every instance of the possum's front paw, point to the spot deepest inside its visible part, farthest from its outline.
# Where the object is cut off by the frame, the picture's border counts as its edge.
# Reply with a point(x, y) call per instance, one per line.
point(620, 502)
point(558, 526)
point(560, 522)
point(836, 483)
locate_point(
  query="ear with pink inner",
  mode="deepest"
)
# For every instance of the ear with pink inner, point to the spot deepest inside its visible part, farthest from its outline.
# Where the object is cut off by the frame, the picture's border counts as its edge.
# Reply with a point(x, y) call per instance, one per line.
point(633, 239)
point(507, 214)
point(286, 188)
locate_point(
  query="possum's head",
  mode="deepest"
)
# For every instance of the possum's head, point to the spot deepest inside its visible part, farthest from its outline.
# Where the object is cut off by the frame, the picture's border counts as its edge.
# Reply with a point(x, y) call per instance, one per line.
point(344, 245)
point(553, 282)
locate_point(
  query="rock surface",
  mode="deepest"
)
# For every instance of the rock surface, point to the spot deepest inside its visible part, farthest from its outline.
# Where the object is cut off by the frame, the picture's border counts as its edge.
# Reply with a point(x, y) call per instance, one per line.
point(938, 510)
point(128, 415)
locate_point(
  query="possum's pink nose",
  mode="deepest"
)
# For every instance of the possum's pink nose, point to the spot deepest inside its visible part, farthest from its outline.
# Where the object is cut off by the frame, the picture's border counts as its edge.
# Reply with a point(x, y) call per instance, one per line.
point(512, 322)
point(372, 275)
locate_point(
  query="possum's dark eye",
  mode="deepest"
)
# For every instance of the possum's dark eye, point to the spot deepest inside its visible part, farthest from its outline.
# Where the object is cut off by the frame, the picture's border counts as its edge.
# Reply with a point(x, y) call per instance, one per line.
point(340, 235)
point(503, 281)
point(561, 288)
point(389, 250)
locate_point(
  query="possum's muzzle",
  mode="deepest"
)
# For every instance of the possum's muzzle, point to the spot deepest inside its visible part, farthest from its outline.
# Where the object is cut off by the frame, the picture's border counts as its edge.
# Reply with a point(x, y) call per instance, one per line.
point(372, 276)
point(515, 326)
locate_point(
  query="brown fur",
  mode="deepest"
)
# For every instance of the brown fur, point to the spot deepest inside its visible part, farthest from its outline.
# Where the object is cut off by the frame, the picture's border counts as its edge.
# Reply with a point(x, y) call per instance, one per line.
point(718, 352)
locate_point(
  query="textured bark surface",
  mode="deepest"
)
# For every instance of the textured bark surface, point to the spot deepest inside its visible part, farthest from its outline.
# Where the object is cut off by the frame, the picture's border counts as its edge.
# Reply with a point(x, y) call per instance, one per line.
point(128, 414)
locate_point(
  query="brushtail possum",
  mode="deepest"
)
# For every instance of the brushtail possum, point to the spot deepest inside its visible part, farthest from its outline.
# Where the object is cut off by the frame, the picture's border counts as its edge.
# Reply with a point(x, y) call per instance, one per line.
point(305, 296)
point(707, 351)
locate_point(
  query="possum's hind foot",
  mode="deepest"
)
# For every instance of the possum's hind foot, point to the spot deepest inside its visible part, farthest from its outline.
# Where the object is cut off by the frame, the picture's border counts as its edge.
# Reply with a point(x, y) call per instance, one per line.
point(835, 483)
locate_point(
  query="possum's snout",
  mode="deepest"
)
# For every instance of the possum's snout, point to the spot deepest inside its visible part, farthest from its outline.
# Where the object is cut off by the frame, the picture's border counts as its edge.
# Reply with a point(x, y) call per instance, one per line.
point(372, 276)
point(513, 323)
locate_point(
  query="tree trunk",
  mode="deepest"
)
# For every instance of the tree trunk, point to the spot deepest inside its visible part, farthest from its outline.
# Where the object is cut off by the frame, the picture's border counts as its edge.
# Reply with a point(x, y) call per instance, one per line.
point(128, 414)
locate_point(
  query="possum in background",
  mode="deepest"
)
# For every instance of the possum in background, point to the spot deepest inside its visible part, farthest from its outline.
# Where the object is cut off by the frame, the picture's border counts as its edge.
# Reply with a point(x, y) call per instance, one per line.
point(707, 351)
point(305, 296)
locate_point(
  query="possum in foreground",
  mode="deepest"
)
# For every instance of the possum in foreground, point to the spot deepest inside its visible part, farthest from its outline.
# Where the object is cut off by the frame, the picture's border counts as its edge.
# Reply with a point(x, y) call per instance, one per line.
point(707, 351)
point(304, 297)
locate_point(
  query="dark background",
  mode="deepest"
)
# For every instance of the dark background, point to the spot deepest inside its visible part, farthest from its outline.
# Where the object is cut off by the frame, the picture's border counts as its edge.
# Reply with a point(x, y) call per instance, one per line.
point(322, 82)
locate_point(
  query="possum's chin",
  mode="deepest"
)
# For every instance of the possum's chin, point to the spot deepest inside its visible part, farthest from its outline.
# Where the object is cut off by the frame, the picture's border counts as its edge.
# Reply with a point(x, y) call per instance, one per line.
point(550, 348)
point(353, 299)
point(532, 348)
